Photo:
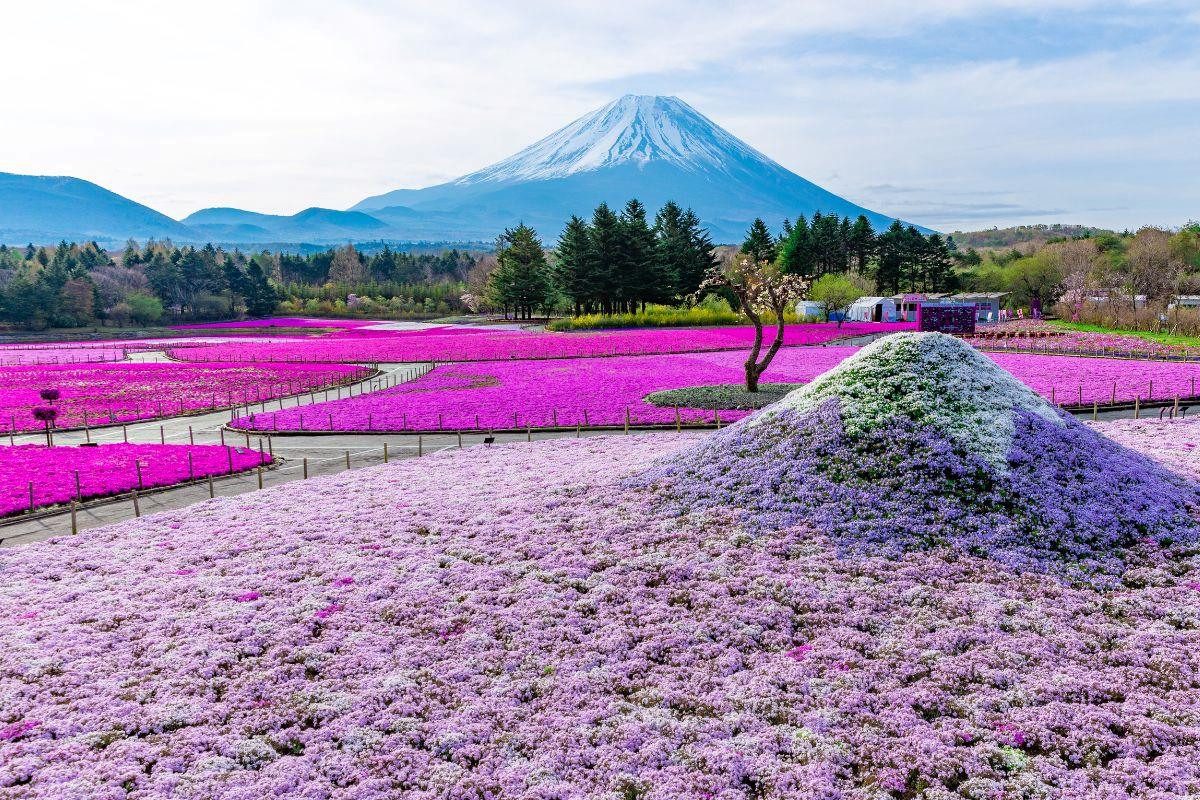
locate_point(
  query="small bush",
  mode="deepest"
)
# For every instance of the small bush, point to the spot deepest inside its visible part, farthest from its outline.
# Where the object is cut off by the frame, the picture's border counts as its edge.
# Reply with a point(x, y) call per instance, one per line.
point(725, 396)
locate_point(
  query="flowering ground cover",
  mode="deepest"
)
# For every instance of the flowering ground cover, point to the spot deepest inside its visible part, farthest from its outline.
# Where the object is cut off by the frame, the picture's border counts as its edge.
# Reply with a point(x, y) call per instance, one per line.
point(1173, 443)
point(61, 354)
point(492, 345)
point(533, 622)
point(279, 322)
point(601, 391)
point(126, 391)
point(107, 470)
point(1044, 337)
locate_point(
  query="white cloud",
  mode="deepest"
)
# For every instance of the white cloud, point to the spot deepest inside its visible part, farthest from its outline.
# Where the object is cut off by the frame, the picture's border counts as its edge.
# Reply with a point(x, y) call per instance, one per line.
point(276, 105)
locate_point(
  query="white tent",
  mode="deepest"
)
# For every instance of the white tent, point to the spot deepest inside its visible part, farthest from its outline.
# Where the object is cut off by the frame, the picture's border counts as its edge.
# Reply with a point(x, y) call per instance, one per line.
point(873, 309)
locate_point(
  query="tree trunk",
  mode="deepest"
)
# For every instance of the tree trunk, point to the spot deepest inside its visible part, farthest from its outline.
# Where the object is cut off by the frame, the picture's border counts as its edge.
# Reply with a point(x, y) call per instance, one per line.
point(752, 374)
point(752, 368)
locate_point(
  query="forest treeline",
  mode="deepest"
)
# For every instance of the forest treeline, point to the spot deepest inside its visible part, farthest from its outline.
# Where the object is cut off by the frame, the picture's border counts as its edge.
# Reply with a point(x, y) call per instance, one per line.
point(616, 263)
point(612, 262)
point(73, 285)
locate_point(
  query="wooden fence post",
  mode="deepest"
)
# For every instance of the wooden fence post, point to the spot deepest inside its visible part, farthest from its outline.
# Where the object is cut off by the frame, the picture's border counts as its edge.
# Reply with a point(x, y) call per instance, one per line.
point(137, 511)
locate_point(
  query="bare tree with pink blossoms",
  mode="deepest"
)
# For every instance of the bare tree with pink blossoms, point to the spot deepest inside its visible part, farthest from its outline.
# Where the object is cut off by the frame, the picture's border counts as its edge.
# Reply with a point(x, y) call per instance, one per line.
point(761, 289)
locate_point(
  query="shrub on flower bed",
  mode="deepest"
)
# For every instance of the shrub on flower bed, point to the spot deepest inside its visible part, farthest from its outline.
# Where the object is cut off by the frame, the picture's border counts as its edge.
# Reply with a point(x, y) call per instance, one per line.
point(108, 469)
point(722, 396)
point(521, 622)
point(499, 395)
point(489, 345)
point(127, 391)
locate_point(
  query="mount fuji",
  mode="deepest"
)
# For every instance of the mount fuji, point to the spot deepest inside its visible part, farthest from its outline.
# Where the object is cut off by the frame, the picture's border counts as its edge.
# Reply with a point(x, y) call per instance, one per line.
point(650, 147)
point(653, 148)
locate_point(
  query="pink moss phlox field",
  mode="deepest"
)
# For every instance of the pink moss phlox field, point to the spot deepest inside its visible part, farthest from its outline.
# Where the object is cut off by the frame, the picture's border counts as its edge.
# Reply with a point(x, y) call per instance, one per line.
point(279, 322)
point(1173, 443)
point(107, 469)
point(1040, 336)
point(130, 391)
point(490, 345)
point(520, 625)
point(543, 393)
point(65, 354)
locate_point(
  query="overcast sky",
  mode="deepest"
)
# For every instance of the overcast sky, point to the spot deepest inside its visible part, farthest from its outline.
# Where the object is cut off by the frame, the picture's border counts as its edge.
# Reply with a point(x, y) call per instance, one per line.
point(957, 114)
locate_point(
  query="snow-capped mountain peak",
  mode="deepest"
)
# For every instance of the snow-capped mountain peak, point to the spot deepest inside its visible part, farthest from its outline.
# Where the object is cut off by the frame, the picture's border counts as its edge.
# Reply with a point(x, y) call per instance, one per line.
point(634, 129)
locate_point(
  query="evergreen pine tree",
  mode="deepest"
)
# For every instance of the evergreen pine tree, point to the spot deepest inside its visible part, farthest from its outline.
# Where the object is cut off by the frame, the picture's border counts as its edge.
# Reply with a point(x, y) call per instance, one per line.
point(640, 272)
point(522, 278)
point(760, 244)
point(890, 264)
point(607, 243)
point(574, 265)
point(862, 244)
point(795, 254)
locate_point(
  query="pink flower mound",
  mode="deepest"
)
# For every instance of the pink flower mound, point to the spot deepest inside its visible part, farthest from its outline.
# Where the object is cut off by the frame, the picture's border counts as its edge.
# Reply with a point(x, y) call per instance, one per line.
point(127, 391)
point(500, 345)
point(107, 469)
point(539, 393)
point(520, 627)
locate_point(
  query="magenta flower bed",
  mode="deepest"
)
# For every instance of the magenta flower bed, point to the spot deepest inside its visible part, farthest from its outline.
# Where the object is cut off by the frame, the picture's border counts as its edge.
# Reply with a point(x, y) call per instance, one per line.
point(108, 469)
point(599, 391)
point(59, 354)
point(517, 622)
point(125, 392)
point(500, 345)
point(279, 322)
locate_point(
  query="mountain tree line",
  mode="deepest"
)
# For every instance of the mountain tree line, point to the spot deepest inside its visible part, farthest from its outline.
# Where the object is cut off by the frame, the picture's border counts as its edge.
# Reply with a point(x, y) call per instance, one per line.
point(613, 263)
point(75, 285)
point(901, 258)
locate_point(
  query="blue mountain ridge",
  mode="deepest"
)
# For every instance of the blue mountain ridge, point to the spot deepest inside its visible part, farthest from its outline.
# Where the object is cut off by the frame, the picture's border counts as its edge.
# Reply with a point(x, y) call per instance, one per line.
point(650, 147)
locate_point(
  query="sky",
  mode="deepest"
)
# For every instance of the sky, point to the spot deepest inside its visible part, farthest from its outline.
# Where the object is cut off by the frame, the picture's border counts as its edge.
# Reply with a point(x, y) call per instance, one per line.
point(956, 114)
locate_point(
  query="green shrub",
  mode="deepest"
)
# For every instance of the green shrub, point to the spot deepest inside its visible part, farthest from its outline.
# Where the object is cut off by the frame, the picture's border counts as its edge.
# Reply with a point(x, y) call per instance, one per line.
point(660, 317)
point(725, 396)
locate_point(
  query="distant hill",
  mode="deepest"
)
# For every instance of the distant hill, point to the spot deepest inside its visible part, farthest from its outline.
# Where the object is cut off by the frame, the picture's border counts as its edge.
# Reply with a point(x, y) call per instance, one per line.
point(1022, 236)
point(46, 209)
point(309, 225)
point(649, 147)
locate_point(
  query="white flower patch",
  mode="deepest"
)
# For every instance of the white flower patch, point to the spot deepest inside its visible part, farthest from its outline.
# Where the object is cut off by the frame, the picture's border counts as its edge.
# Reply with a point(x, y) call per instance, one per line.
point(932, 378)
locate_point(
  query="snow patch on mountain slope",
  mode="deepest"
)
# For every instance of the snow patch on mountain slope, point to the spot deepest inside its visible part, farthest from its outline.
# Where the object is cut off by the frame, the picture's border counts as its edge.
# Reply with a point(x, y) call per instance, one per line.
point(634, 129)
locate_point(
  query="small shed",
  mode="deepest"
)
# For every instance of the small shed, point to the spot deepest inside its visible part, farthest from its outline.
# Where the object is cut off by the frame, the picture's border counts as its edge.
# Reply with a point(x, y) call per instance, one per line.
point(873, 309)
point(810, 308)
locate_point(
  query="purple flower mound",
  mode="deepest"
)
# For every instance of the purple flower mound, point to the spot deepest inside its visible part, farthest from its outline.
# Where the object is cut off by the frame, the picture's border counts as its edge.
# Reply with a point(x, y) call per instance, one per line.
point(1063, 499)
